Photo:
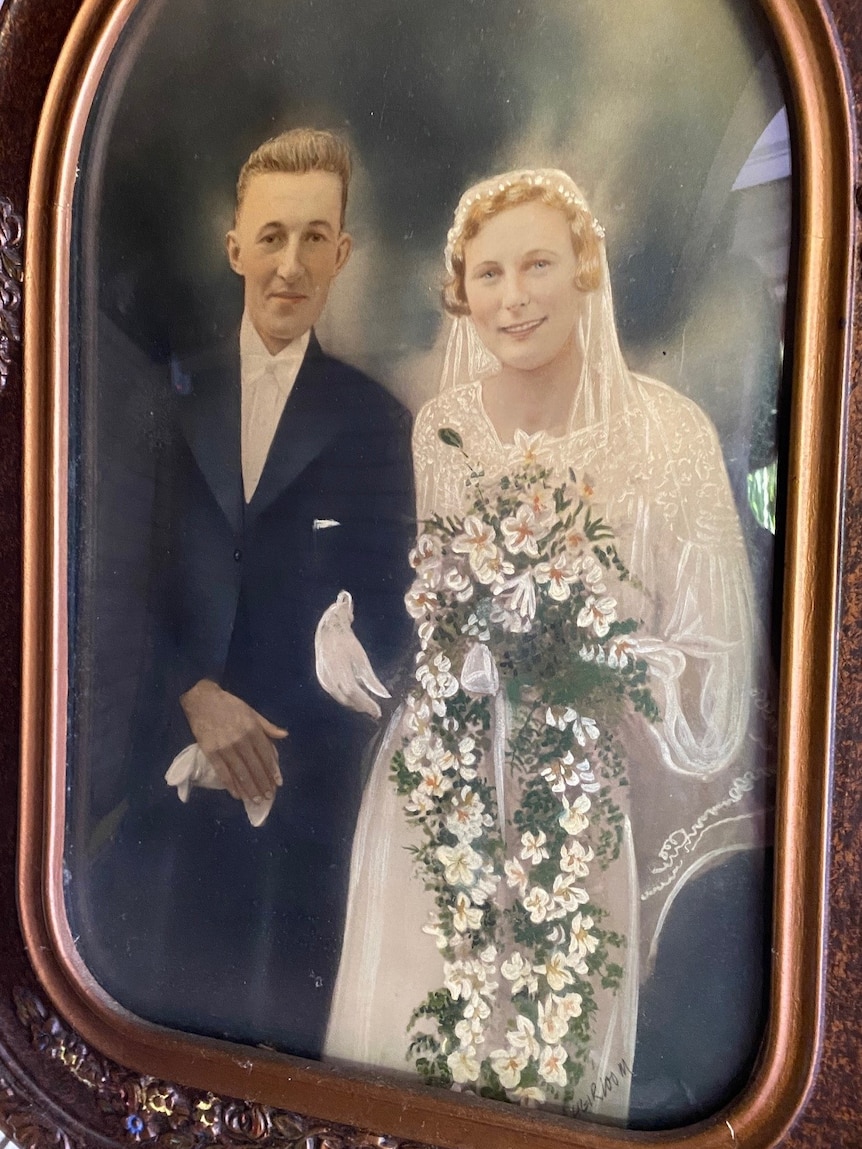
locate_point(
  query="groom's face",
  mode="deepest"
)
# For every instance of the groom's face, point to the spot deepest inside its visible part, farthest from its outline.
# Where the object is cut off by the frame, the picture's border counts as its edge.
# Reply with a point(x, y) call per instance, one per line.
point(288, 246)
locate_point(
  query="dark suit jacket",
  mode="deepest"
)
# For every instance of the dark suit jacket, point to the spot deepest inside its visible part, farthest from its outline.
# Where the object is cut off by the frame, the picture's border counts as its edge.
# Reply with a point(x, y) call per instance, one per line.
point(198, 919)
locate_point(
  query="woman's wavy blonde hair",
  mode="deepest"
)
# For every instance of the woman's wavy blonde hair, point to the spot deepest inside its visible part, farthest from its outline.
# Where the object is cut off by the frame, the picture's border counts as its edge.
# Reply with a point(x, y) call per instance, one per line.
point(512, 192)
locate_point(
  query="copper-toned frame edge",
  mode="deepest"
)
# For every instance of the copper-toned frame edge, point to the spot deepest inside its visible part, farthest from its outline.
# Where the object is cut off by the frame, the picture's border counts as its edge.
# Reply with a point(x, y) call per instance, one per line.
point(767, 1107)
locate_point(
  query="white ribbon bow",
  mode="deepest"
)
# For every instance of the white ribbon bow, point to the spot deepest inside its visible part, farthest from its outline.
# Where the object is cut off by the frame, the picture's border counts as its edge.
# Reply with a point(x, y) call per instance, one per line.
point(479, 675)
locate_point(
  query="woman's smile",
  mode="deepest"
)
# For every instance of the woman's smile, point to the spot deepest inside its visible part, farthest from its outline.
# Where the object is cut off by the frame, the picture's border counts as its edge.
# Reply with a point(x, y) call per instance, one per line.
point(522, 330)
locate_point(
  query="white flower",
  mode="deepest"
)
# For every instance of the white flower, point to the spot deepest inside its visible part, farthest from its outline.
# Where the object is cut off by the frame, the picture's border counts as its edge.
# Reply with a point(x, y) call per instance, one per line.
point(518, 594)
point(461, 863)
point(428, 563)
point(592, 572)
point(562, 773)
point(620, 652)
point(420, 803)
point(529, 1096)
point(533, 848)
point(537, 903)
point(434, 781)
point(494, 569)
point(530, 451)
point(467, 815)
point(465, 750)
point(556, 971)
point(574, 858)
point(522, 531)
point(583, 728)
point(559, 574)
point(508, 1064)
point(523, 1037)
point(570, 1005)
point(573, 818)
point(436, 678)
point(416, 752)
point(427, 554)
point(567, 895)
point(417, 715)
point(516, 875)
point(437, 682)
point(420, 601)
point(477, 1007)
point(485, 887)
point(551, 1065)
point(560, 716)
point(470, 1031)
point(464, 916)
point(520, 973)
point(488, 956)
point(459, 584)
point(598, 613)
point(476, 541)
point(582, 941)
point(540, 500)
point(553, 1023)
point(425, 630)
point(465, 979)
point(463, 1065)
point(436, 931)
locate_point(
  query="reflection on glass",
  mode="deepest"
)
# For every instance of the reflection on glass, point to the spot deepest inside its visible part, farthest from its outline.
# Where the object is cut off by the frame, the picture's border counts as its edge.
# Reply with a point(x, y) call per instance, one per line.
point(514, 839)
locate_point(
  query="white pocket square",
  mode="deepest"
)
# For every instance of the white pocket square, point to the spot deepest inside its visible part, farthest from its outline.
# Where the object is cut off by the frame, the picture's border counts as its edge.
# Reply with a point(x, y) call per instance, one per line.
point(324, 524)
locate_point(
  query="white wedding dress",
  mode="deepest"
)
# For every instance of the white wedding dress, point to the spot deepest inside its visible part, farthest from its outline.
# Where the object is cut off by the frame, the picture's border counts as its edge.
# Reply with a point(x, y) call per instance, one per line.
point(695, 794)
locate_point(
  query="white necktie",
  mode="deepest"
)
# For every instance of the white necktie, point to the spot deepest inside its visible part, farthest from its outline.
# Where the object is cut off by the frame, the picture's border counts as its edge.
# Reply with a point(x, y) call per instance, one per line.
point(265, 398)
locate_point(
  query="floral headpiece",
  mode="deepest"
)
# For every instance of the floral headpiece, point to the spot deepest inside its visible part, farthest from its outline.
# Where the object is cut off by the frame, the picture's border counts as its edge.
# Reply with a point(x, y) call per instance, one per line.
point(557, 181)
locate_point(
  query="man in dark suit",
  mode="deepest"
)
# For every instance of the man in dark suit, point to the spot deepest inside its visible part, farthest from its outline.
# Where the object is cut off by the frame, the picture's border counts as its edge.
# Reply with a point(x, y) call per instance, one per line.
point(283, 507)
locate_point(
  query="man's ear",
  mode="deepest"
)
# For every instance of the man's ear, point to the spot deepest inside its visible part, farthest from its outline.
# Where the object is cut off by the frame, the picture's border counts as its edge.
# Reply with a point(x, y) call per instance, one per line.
point(344, 246)
point(233, 252)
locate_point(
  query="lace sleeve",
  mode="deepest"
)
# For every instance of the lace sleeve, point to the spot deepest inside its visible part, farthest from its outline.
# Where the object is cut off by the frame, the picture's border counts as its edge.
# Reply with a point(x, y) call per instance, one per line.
point(702, 652)
point(441, 470)
point(425, 459)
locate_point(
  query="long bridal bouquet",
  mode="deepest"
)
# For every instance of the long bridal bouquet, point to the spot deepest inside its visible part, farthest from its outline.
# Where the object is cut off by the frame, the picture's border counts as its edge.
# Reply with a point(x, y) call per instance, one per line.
point(511, 770)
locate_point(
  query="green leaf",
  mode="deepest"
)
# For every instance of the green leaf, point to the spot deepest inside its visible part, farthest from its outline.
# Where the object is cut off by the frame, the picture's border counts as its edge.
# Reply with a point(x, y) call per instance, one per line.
point(451, 438)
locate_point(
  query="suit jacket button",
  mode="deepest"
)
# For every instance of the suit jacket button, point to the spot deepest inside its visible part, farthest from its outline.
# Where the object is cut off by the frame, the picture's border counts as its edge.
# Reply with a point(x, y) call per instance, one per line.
point(237, 554)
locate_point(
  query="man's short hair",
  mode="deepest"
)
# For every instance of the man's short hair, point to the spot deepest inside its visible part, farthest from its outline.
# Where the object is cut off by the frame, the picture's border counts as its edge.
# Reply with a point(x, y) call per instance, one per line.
point(300, 150)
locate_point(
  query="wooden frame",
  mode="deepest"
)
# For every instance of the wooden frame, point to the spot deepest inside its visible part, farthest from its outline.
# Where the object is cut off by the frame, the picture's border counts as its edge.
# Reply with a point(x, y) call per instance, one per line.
point(763, 1114)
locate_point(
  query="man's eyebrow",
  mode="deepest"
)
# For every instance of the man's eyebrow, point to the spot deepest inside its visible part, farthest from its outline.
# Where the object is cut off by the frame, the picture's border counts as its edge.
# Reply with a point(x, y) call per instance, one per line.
point(324, 223)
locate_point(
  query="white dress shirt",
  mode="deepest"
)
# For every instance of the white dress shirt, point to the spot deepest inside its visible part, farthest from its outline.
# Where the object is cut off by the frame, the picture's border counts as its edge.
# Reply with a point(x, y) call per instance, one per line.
point(267, 381)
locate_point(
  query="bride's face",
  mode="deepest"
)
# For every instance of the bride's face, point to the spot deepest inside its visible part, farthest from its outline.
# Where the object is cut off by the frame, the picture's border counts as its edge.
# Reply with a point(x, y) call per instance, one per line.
point(519, 278)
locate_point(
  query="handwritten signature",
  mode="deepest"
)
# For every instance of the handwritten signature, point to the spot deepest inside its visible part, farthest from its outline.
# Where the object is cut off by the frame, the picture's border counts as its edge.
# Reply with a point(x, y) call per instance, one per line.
point(602, 1089)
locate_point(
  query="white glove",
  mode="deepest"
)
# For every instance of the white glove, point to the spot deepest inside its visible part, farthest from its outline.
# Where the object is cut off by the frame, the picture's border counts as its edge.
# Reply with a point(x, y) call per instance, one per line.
point(342, 666)
point(191, 767)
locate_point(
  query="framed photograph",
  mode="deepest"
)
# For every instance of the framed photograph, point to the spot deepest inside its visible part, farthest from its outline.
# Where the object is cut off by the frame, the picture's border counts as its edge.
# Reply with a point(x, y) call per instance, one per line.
point(434, 434)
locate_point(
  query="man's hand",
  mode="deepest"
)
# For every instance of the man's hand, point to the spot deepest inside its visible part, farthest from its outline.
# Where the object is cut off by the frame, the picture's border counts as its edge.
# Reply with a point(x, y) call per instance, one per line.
point(236, 740)
point(342, 665)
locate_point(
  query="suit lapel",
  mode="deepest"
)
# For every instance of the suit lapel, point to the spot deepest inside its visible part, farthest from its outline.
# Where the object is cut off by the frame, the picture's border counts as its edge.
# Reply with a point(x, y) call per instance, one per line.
point(210, 417)
point(309, 421)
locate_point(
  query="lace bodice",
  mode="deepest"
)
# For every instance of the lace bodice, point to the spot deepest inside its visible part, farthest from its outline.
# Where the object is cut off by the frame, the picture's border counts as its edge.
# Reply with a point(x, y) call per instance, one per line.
point(658, 477)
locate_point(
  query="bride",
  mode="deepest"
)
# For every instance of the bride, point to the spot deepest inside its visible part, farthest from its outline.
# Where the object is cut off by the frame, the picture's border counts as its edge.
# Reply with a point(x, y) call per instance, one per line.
point(519, 847)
